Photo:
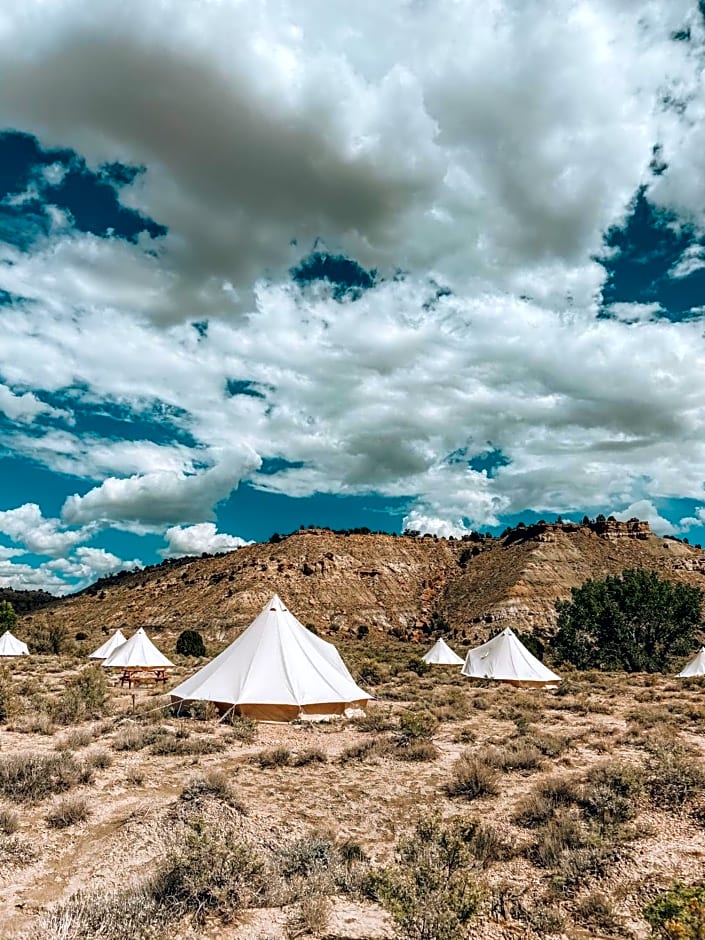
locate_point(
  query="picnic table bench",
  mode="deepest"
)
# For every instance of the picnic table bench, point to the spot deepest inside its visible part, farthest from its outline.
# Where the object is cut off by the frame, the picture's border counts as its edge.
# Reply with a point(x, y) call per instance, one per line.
point(143, 675)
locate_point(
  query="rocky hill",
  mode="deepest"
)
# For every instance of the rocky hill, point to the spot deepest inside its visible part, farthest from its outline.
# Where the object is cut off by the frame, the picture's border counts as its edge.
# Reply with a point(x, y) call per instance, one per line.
point(374, 584)
point(26, 601)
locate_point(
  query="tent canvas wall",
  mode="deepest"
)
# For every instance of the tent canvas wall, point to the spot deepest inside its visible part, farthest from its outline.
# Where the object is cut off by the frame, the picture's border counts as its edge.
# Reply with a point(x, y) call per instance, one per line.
point(506, 659)
point(276, 670)
point(137, 653)
point(117, 639)
point(11, 646)
point(696, 667)
point(441, 654)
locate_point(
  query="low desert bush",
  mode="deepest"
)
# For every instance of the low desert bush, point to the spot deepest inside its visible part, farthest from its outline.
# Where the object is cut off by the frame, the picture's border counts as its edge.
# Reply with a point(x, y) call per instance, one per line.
point(310, 917)
point(473, 777)
point(612, 793)
point(309, 855)
point(211, 785)
point(675, 776)
point(538, 806)
point(99, 759)
point(31, 777)
point(130, 914)
point(86, 695)
point(577, 866)
point(415, 726)
point(182, 745)
point(9, 701)
point(596, 910)
point(375, 721)
point(563, 831)
point(310, 755)
point(242, 728)
point(212, 872)
point(134, 738)
point(517, 754)
point(416, 751)
point(487, 843)
point(68, 811)
point(275, 757)
point(429, 890)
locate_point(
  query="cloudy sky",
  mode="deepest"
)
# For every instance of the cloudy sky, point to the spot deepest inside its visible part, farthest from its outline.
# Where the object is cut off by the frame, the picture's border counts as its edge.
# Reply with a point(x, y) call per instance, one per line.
point(436, 264)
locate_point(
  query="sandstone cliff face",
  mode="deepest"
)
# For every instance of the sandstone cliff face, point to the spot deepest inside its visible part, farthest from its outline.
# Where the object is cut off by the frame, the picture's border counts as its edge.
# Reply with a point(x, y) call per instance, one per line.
point(381, 584)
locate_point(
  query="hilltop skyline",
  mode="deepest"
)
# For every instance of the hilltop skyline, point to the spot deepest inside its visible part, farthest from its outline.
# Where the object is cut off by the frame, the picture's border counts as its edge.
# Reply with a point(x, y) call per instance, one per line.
point(437, 266)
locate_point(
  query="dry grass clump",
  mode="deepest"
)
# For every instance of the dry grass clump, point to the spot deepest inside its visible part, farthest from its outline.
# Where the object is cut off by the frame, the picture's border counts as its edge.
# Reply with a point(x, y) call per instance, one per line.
point(212, 785)
point(181, 744)
point(310, 755)
point(612, 793)
point(417, 752)
point(373, 747)
point(375, 721)
point(310, 917)
point(517, 754)
point(37, 723)
point(74, 739)
point(473, 777)
point(596, 910)
point(9, 822)
point(134, 738)
point(68, 811)
point(31, 777)
point(274, 757)
point(487, 843)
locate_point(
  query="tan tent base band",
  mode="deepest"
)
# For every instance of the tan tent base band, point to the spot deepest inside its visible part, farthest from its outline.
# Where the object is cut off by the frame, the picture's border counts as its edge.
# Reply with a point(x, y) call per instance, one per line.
point(280, 713)
point(518, 683)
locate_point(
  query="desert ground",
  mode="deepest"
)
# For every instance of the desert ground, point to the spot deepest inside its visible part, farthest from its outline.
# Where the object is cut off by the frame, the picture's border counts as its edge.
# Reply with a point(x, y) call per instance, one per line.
point(566, 811)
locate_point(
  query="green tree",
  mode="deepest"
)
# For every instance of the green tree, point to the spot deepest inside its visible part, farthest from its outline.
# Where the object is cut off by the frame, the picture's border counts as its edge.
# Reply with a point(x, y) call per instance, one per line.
point(635, 621)
point(8, 617)
point(190, 643)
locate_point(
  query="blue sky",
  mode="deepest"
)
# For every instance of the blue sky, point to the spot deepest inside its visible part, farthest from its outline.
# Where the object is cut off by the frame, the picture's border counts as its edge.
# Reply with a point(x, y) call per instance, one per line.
point(263, 267)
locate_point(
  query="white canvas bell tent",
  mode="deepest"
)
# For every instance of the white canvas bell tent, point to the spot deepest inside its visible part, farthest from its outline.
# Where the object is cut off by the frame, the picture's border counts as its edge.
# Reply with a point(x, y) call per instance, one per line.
point(137, 653)
point(11, 646)
point(506, 659)
point(117, 639)
point(276, 670)
point(441, 654)
point(696, 667)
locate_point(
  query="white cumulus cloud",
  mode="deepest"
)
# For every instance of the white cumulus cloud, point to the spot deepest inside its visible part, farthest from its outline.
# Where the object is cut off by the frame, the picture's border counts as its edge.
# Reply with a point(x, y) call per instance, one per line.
point(195, 539)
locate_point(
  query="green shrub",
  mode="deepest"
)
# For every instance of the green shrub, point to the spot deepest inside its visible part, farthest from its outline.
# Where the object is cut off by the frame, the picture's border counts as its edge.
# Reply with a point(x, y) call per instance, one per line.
point(612, 793)
point(306, 856)
point(418, 666)
point(190, 643)
point(415, 726)
point(635, 621)
point(563, 831)
point(540, 805)
point(678, 914)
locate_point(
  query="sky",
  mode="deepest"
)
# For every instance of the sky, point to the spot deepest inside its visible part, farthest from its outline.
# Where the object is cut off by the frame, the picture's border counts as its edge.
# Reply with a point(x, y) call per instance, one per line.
point(428, 264)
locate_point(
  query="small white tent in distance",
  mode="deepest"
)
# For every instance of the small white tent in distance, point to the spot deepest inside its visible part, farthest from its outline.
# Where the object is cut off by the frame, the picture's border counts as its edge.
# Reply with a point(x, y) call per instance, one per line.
point(506, 659)
point(276, 670)
point(441, 654)
point(696, 667)
point(137, 653)
point(117, 639)
point(11, 646)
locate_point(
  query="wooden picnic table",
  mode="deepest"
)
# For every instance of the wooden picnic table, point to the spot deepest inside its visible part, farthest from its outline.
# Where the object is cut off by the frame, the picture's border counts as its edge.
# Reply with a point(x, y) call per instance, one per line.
point(143, 675)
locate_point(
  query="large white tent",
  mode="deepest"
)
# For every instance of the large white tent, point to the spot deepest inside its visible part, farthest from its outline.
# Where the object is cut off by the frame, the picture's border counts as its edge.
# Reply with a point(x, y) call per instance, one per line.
point(506, 659)
point(117, 639)
point(137, 653)
point(441, 654)
point(696, 667)
point(11, 646)
point(276, 670)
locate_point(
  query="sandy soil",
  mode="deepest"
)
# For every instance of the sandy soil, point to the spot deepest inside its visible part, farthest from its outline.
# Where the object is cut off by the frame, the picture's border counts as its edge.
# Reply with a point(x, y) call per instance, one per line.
point(371, 801)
